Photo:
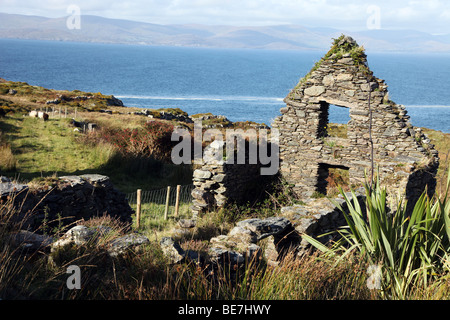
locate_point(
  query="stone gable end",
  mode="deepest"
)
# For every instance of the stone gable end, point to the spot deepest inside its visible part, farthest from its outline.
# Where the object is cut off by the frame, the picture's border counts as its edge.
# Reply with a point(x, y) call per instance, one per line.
point(402, 154)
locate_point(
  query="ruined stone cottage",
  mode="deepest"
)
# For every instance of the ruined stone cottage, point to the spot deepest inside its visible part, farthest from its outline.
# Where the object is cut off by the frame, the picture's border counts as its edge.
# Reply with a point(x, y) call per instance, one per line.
point(379, 129)
point(402, 154)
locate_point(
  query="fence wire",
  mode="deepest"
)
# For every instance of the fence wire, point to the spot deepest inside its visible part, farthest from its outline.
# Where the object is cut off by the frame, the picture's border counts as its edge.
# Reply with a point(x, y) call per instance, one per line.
point(153, 202)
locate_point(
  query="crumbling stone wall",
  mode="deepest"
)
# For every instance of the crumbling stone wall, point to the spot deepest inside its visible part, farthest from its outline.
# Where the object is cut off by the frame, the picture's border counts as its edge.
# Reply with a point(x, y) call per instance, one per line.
point(406, 160)
point(218, 182)
point(67, 200)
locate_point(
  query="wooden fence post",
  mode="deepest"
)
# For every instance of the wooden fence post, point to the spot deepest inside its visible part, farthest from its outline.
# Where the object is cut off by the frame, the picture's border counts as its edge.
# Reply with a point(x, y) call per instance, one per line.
point(138, 208)
point(167, 203)
point(177, 200)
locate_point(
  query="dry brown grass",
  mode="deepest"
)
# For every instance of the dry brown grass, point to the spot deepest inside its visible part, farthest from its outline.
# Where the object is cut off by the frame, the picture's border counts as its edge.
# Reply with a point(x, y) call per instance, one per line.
point(8, 161)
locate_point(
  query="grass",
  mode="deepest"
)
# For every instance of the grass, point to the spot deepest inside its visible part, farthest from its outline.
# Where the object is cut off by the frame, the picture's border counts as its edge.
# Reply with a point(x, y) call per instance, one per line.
point(416, 244)
point(146, 274)
point(411, 249)
point(49, 147)
point(441, 142)
point(35, 148)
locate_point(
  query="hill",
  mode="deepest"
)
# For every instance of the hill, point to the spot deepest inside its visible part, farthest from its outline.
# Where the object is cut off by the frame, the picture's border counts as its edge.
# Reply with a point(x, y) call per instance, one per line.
point(297, 37)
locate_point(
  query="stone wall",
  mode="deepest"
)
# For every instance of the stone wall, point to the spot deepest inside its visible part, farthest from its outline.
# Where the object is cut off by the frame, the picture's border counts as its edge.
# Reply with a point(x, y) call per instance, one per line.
point(218, 182)
point(66, 200)
point(406, 160)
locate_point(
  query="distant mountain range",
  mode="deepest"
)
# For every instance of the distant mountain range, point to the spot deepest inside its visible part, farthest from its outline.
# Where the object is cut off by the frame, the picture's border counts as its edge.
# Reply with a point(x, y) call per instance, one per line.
point(104, 30)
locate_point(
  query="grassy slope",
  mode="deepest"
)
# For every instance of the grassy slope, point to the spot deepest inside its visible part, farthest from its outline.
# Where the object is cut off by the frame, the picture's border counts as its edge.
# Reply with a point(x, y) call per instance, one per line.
point(53, 148)
point(33, 148)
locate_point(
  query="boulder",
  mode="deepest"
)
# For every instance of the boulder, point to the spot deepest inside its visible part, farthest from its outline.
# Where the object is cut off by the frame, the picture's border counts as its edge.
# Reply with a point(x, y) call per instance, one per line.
point(7, 187)
point(31, 241)
point(222, 256)
point(80, 235)
point(172, 250)
point(266, 227)
point(175, 254)
point(127, 242)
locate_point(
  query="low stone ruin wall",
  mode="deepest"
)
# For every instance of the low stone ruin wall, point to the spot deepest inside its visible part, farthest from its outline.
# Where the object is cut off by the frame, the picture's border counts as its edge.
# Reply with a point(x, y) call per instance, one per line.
point(218, 183)
point(71, 198)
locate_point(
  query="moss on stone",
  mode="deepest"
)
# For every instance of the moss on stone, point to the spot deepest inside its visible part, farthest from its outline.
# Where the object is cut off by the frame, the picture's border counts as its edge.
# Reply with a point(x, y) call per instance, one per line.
point(341, 47)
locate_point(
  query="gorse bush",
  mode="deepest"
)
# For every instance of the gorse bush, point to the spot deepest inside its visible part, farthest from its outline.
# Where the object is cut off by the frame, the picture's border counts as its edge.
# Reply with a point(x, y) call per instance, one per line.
point(153, 139)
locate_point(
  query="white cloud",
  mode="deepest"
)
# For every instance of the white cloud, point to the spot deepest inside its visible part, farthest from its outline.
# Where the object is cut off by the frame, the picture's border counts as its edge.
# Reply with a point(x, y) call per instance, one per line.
point(429, 15)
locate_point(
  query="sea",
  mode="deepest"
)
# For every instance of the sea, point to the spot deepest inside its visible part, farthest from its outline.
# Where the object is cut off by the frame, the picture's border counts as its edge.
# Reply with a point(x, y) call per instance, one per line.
point(241, 84)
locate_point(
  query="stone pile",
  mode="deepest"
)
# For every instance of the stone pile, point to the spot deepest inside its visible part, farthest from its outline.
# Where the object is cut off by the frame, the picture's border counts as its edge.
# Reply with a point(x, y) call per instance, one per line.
point(271, 238)
point(78, 236)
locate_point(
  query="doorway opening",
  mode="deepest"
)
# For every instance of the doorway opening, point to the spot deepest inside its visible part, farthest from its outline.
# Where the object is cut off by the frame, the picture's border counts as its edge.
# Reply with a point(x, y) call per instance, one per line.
point(331, 177)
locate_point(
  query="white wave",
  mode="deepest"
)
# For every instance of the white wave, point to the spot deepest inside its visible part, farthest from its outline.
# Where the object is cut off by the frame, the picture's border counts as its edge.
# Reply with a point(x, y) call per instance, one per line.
point(426, 106)
point(202, 98)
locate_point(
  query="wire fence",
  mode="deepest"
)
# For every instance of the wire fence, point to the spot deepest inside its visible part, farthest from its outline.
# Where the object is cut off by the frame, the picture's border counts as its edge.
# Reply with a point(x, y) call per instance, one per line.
point(153, 202)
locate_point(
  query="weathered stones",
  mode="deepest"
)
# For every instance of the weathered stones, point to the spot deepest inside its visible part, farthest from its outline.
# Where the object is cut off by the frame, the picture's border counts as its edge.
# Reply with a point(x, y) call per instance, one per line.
point(80, 235)
point(30, 241)
point(67, 200)
point(121, 245)
point(343, 78)
point(314, 91)
point(96, 238)
point(219, 182)
point(264, 228)
point(202, 174)
point(8, 187)
point(187, 223)
point(175, 254)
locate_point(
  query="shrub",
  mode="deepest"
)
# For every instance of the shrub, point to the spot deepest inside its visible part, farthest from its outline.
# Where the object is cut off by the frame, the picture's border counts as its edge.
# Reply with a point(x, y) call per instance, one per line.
point(411, 248)
point(151, 140)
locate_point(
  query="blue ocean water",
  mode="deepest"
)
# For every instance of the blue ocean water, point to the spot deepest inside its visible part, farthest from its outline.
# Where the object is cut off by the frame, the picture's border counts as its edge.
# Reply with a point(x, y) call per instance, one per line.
point(242, 84)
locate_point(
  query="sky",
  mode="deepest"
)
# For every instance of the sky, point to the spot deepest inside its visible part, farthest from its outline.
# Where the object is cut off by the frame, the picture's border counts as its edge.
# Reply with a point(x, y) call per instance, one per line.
point(432, 16)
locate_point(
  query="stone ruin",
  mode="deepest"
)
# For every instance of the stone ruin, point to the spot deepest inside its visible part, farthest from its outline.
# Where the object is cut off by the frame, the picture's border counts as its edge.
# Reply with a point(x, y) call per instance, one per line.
point(218, 183)
point(403, 157)
point(378, 137)
point(63, 201)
